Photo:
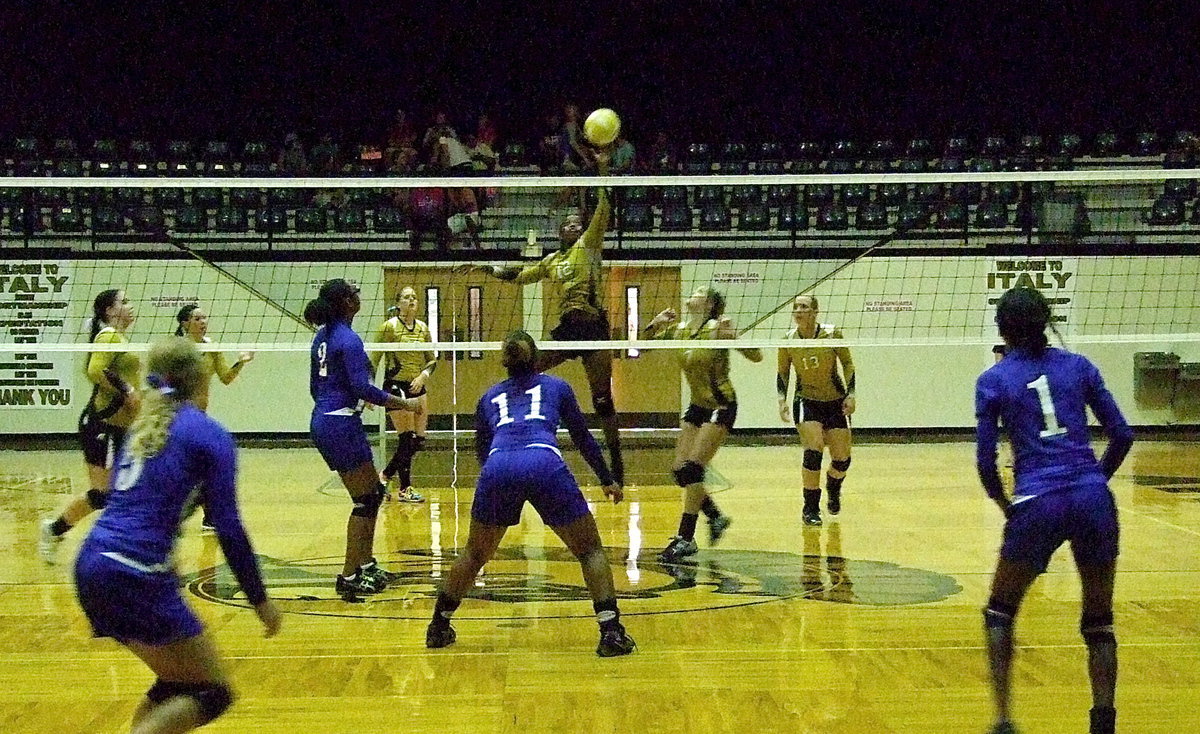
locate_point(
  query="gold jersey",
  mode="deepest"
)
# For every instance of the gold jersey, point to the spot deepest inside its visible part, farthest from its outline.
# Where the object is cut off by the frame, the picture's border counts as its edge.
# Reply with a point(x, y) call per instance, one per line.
point(402, 365)
point(125, 365)
point(706, 370)
point(816, 368)
point(577, 268)
point(212, 363)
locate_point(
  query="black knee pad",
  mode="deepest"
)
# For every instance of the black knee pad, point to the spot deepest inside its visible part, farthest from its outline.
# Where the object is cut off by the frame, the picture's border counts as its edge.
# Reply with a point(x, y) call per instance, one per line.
point(812, 459)
point(213, 699)
point(404, 441)
point(689, 473)
point(604, 405)
point(999, 615)
point(840, 464)
point(97, 498)
point(1097, 628)
point(418, 443)
point(367, 505)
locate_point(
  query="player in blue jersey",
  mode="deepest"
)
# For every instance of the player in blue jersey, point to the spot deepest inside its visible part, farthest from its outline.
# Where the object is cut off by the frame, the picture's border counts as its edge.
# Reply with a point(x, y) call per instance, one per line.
point(340, 382)
point(515, 426)
point(1040, 395)
point(125, 576)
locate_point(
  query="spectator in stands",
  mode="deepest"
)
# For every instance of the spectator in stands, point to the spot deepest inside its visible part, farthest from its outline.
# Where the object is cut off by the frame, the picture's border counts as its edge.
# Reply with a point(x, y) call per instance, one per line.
point(400, 148)
point(485, 131)
point(441, 128)
point(574, 157)
point(661, 158)
point(548, 144)
point(292, 161)
point(623, 155)
point(326, 160)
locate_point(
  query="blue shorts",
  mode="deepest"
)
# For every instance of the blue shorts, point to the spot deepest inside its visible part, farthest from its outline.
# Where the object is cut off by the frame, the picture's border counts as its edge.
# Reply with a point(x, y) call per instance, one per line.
point(537, 475)
point(131, 606)
point(1086, 516)
point(341, 440)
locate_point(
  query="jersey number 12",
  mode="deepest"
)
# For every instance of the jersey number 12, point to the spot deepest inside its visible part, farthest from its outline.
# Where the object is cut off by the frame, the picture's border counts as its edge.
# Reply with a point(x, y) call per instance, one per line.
point(1042, 387)
point(535, 406)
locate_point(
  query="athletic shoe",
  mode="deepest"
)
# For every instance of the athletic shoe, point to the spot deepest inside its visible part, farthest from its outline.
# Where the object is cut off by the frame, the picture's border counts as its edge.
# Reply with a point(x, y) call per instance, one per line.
point(812, 517)
point(359, 585)
point(835, 501)
point(615, 642)
point(439, 634)
point(408, 494)
point(717, 527)
point(679, 547)
point(1006, 727)
point(48, 542)
point(381, 576)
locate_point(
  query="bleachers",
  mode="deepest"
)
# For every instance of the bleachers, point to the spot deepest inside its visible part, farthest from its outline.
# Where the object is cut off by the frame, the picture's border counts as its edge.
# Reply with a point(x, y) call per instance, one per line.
point(851, 209)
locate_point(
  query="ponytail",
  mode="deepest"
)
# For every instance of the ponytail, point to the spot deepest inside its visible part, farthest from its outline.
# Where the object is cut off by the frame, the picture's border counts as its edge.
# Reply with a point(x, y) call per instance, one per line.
point(328, 305)
point(519, 354)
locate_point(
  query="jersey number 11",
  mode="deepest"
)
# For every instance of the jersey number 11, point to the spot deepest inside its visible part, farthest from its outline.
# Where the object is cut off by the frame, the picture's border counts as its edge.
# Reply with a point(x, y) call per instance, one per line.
point(535, 406)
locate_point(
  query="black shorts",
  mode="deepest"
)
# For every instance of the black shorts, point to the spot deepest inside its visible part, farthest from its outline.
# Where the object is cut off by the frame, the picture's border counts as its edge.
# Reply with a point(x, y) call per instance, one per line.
point(581, 326)
point(391, 385)
point(101, 441)
point(723, 416)
point(828, 413)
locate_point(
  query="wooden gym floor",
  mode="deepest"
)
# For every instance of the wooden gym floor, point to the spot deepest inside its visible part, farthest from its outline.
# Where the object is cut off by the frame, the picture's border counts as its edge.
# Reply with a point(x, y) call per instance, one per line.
point(869, 624)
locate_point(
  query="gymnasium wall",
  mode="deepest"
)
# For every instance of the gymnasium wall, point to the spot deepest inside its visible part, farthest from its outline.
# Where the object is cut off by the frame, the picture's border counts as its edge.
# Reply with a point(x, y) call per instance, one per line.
point(880, 298)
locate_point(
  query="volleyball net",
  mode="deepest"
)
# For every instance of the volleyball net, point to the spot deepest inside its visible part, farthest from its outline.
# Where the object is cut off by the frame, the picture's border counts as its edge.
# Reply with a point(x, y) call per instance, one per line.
point(906, 265)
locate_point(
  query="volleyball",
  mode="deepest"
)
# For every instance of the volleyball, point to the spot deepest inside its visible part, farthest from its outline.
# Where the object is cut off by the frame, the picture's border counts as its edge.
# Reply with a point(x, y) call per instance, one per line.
point(602, 126)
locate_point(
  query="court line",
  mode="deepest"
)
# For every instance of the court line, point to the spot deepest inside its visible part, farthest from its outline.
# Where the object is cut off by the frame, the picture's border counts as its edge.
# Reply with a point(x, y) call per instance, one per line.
point(417, 651)
point(1159, 520)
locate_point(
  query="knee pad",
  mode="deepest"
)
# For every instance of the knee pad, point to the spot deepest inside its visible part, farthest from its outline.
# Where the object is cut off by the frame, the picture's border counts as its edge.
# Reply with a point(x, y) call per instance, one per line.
point(603, 405)
point(404, 441)
point(418, 443)
point(689, 473)
point(97, 498)
point(998, 615)
point(1097, 628)
point(840, 464)
point(812, 460)
point(367, 505)
point(213, 699)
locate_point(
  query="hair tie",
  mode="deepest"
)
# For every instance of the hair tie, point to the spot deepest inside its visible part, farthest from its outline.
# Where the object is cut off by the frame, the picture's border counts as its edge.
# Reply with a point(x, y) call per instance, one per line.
point(158, 382)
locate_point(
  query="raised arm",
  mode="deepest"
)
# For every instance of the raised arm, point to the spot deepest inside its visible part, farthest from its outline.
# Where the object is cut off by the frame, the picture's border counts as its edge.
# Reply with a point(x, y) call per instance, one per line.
point(593, 236)
point(226, 373)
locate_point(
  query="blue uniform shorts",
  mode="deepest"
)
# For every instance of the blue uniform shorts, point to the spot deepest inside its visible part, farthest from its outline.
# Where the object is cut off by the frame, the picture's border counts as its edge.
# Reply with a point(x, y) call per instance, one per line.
point(129, 605)
point(538, 475)
point(341, 440)
point(1085, 516)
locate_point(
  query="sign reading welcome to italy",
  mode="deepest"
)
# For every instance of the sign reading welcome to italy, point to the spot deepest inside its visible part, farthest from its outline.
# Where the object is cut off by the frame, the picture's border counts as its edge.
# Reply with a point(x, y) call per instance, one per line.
point(34, 301)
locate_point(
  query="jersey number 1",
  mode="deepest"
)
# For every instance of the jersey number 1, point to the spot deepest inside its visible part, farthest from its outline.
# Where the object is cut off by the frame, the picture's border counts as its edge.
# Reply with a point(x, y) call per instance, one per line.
point(535, 406)
point(1042, 387)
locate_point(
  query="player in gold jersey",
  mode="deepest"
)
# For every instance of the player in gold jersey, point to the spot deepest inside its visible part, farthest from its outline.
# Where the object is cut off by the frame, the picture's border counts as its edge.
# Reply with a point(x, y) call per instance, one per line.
point(408, 372)
point(576, 266)
point(193, 323)
point(116, 397)
point(709, 416)
point(822, 406)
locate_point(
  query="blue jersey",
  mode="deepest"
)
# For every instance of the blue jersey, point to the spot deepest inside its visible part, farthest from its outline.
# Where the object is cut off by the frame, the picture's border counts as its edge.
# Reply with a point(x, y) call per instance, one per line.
point(150, 497)
point(527, 411)
point(1041, 401)
point(339, 375)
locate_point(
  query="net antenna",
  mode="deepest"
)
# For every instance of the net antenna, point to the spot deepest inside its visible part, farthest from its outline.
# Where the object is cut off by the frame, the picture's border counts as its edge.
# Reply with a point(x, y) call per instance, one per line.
point(243, 285)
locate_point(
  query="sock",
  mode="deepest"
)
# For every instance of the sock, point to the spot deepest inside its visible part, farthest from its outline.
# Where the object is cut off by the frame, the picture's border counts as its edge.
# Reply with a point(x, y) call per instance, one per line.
point(59, 527)
point(687, 525)
point(710, 509)
point(1103, 720)
point(607, 614)
point(812, 499)
point(445, 607)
